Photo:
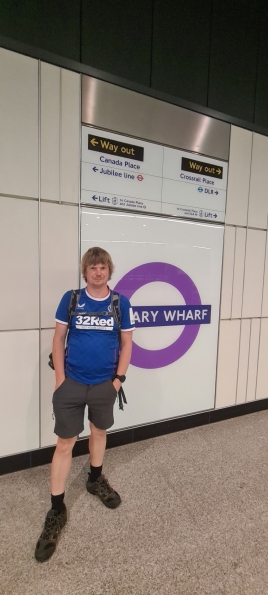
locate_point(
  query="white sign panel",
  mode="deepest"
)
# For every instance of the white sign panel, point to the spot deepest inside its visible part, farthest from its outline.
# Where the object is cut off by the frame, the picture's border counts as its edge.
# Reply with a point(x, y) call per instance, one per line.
point(128, 173)
point(171, 272)
point(193, 187)
point(120, 171)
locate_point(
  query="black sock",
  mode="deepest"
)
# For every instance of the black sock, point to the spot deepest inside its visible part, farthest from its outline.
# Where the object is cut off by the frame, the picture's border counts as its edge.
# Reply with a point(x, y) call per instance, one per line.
point(95, 472)
point(57, 502)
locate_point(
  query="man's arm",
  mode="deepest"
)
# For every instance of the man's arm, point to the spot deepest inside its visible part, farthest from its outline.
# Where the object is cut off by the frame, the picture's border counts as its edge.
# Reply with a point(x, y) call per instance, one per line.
point(124, 357)
point(58, 352)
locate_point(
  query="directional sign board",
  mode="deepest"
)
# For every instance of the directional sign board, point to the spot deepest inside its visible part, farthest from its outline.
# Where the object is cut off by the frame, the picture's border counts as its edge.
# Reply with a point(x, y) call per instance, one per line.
point(120, 149)
point(120, 171)
point(207, 169)
point(132, 174)
point(194, 188)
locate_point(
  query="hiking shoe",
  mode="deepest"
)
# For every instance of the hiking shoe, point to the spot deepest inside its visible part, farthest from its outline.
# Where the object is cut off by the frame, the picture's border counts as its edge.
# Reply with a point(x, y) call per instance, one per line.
point(47, 541)
point(101, 488)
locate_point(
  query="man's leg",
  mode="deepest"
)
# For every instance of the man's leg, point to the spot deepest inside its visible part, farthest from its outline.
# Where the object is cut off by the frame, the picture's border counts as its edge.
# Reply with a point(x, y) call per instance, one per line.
point(57, 515)
point(61, 465)
point(68, 407)
point(97, 445)
point(97, 484)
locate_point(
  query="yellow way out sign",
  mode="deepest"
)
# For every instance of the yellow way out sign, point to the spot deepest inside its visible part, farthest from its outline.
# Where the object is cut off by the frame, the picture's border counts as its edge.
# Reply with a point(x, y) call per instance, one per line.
point(201, 168)
point(115, 147)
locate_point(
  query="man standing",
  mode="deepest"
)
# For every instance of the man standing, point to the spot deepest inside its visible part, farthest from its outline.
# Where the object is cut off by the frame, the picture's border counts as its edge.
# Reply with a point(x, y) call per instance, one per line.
point(88, 372)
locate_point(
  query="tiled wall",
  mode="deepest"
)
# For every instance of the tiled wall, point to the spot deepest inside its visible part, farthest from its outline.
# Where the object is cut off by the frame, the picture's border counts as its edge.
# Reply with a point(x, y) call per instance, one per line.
point(243, 341)
point(39, 249)
point(39, 246)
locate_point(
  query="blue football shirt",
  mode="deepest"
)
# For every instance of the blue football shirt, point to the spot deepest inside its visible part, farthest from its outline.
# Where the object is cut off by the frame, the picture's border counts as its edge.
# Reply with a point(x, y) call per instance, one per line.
point(93, 349)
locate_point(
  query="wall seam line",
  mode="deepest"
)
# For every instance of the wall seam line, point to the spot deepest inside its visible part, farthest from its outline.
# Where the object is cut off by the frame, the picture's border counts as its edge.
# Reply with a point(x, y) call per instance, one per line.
point(60, 134)
point(246, 227)
point(257, 62)
point(209, 55)
point(261, 317)
point(219, 321)
point(232, 295)
point(249, 349)
point(79, 186)
point(152, 44)
point(243, 283)
point(39, 236)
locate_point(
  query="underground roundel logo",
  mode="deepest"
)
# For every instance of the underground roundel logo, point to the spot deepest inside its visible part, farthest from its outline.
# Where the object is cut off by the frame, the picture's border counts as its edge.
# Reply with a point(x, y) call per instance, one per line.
point(191, 315)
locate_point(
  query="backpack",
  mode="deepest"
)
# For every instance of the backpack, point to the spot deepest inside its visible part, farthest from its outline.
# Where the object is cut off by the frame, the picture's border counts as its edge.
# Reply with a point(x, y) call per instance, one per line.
point(116, 313)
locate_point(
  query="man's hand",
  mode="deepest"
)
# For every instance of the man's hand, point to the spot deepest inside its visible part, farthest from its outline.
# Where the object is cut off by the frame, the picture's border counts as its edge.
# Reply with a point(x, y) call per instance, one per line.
point(117, 384)
point(59, 381)
point(58, 351)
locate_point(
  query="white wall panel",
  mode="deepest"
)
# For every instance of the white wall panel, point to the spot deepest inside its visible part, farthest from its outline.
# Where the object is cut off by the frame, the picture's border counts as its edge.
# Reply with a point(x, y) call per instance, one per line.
point(18, 124)
point(47, 387)
point(70, 136)
point(238, 176)
point(262, 379)
point(258, 196)
point(227, 363)
point(239, 265)
point(19, 391)
point(50, 131)
point(59, 257)
point(227, 272)
point(242, 380)
point(253, 359)
point(19, 264)
point(254, 271)
point(265, 284)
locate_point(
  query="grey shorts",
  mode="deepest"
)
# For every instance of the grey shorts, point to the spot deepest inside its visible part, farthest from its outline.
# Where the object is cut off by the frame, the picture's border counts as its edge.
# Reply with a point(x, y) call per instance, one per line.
point(69, 402)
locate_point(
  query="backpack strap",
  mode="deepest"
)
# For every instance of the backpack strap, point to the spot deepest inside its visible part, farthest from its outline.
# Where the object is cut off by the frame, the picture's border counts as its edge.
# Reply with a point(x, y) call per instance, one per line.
point(115, 305)
point(74, 299)
point(121, 398)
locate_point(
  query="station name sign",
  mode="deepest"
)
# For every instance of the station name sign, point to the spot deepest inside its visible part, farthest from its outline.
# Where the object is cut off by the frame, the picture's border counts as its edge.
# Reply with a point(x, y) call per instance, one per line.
point(114, 147)
point(200, 167)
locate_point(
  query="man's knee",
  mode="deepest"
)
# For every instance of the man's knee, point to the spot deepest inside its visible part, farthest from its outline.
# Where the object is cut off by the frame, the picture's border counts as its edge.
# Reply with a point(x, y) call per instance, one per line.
point(96, 431)
point(65, 445)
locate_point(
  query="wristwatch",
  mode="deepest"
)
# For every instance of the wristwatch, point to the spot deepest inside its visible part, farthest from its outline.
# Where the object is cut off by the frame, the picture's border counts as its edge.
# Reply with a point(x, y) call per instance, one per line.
point(121, 378)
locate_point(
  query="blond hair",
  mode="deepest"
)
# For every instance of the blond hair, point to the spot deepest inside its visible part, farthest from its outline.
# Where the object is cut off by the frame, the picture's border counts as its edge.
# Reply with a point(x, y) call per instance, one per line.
point(95, 256)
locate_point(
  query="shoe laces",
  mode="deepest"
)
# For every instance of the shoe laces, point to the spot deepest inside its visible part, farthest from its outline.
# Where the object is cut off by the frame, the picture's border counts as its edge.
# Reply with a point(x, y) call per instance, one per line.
point(51, 524)
point(105, 486)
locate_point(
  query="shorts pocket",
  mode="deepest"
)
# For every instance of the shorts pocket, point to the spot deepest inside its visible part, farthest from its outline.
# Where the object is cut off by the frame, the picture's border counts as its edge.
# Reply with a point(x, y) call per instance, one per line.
point(59, 387)
point(114, 389)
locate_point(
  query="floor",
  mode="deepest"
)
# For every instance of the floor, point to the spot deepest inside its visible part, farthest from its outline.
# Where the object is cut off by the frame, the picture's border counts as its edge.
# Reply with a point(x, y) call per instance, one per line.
point(193, 519)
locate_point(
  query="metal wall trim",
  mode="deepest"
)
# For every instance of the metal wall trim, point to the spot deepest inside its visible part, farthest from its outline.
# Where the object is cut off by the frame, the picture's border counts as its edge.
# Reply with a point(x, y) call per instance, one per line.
point(121, 110)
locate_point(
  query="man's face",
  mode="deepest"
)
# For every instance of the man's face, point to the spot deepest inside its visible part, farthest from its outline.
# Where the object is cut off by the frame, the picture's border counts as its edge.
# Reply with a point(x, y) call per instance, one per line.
point(97, 275)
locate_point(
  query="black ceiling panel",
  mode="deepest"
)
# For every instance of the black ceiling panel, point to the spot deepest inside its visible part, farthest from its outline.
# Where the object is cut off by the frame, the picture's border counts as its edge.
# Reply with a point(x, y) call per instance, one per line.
point(53, 25)
point(261, 105)
point(181, 40)
point(233, 61)
point(116, 37)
